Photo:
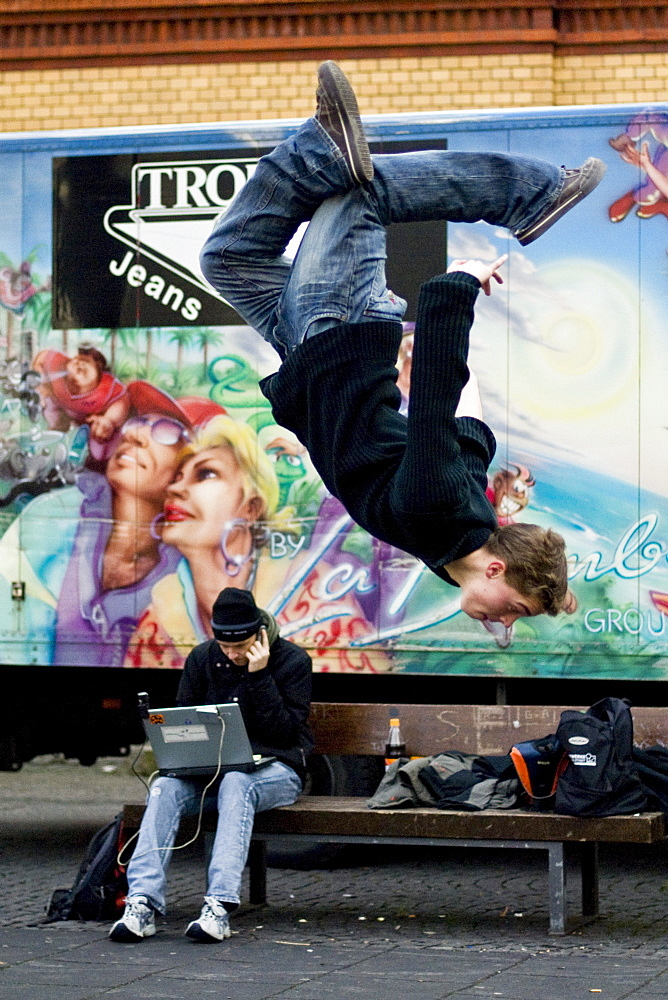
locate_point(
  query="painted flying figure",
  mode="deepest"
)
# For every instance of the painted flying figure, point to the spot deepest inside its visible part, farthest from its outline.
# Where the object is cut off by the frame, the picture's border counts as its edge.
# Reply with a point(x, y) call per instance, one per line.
point(17, 286)
point(416, 482)
point(650, 197)
point(81, 390)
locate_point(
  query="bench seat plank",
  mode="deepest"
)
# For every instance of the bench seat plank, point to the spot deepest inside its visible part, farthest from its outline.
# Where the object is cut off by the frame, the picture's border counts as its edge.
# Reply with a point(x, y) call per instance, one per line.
point(315, 815)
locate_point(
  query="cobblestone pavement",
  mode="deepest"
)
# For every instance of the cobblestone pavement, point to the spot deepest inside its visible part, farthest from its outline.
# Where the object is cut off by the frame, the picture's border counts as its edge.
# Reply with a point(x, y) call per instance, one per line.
point(376, 923)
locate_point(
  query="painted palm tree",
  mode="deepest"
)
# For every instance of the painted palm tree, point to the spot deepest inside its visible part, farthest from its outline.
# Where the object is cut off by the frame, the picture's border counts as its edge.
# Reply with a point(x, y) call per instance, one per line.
point(37, 314)
point(123, 336)
point(205, 337)
point(110, 337)
point(151, 334)
point(183, 337)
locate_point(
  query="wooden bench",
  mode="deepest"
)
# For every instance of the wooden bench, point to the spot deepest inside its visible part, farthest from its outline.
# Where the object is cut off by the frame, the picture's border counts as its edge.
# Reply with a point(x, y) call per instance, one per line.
point(426, 729)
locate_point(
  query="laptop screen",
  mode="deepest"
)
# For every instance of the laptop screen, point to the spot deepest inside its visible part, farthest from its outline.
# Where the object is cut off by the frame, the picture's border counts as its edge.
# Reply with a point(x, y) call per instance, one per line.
point(185, 740)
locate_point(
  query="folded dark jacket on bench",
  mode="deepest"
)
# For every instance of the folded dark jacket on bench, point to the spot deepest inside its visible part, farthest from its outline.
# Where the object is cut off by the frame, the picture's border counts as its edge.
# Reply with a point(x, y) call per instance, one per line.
point(448, 781)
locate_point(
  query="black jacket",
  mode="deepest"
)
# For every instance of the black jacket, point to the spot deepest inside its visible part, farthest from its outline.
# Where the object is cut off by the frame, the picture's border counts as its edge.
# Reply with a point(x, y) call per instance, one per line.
point(417, 482)
point(274, 702)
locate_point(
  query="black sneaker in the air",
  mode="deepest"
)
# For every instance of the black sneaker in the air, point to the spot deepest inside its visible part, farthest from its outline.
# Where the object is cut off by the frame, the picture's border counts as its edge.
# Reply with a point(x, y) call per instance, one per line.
point(578, 184)
point(337, 112)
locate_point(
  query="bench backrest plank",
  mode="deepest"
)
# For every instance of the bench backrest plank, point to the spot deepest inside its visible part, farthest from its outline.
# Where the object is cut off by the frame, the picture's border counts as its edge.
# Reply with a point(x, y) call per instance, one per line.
point(341, 728)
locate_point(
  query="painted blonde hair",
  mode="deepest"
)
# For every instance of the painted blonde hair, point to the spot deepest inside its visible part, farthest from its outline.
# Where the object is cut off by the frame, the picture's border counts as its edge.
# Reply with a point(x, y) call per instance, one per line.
point(259, 476)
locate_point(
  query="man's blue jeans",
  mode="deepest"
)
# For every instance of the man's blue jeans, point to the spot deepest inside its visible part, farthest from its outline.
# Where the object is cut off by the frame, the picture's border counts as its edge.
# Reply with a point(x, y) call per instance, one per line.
point(338, 274)
point(239, 797)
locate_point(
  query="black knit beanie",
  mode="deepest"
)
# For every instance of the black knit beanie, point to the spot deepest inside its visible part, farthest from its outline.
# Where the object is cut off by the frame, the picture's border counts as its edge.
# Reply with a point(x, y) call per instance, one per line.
point(235, 615)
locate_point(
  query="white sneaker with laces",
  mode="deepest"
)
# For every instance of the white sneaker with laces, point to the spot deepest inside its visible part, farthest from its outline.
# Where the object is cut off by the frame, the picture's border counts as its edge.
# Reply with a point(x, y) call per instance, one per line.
point(213, 923)
point(137, 922)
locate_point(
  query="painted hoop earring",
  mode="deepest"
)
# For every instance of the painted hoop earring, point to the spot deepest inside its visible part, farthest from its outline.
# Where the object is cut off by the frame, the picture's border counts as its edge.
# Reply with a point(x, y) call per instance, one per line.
point(235, 563)
point(155, 524)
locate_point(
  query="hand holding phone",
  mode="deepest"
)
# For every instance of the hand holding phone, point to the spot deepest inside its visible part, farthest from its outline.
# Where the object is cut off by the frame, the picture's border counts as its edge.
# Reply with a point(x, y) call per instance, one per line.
point(258, 654)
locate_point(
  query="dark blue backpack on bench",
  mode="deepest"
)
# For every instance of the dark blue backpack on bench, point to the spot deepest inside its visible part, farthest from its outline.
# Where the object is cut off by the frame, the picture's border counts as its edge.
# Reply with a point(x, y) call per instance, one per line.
point(601, 777)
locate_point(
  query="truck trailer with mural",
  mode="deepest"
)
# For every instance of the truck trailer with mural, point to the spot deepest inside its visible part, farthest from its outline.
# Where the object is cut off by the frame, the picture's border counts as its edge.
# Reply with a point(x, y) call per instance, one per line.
point(142, 471)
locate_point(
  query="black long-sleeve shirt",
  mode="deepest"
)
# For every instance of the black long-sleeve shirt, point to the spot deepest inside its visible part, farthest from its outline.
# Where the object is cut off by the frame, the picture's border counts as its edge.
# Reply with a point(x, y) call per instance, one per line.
point(415, 481)
point(274, 701)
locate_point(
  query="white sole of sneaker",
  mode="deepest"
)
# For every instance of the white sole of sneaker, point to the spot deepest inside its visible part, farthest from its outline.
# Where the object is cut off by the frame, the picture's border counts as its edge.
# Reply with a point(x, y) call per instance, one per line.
point(124, 936)
point(195, 933)
point(590, 182)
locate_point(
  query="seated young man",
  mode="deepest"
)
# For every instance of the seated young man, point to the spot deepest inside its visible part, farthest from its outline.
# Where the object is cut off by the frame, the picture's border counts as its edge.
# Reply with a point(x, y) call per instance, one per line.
point(248, 662)
point(416, 481)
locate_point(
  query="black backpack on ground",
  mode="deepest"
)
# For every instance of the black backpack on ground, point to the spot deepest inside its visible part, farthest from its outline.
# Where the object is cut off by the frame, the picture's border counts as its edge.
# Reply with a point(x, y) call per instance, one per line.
point(100, 887)
point(600, 778)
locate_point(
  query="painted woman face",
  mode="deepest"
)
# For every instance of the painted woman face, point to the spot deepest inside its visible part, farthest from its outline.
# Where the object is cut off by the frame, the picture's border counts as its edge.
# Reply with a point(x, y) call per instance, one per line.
point(83, 373)
point(207, 493)
point(142, 464)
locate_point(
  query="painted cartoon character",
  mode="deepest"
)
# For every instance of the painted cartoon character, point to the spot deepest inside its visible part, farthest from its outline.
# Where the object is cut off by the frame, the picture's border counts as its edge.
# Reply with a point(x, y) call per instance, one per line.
point(82, 390)
point(285, 453)
point(289, 465)
point(509, 492)
point(17, 286)
point(648, 198)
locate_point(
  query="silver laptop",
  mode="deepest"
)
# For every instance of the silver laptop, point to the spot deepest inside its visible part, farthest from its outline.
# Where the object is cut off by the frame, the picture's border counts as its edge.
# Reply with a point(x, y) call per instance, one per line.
point(186, 742)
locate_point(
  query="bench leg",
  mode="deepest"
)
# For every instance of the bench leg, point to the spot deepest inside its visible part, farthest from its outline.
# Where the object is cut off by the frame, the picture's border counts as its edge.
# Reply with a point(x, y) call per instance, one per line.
point(589, 873)
point(257, 863)
point(557, 888)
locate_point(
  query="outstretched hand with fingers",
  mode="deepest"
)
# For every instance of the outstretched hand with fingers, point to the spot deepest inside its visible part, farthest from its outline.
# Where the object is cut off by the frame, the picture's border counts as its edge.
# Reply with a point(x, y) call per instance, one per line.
point(644, 159)
point(258, 654)
point(480, 270)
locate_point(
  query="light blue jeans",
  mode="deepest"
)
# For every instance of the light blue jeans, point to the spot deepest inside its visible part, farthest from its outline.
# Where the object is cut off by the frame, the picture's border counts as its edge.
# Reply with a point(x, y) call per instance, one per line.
point(239, 797)
point(338, 274)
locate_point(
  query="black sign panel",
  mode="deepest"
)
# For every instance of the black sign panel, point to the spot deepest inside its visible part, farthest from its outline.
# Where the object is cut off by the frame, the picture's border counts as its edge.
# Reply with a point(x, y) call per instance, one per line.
point(128, 230)
point(415, 250)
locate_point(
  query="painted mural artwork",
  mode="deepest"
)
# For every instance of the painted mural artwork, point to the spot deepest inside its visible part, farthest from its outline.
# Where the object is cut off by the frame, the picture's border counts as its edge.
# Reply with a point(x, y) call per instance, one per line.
point(141, 470)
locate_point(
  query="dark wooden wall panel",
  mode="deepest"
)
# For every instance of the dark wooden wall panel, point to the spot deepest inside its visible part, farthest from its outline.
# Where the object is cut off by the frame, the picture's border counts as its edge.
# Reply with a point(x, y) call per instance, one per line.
point(38, 33)
point(427, 729)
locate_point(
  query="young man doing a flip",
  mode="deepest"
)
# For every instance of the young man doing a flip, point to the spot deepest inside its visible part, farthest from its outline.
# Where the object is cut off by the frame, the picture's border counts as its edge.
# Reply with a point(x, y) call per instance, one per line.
point(416, 481)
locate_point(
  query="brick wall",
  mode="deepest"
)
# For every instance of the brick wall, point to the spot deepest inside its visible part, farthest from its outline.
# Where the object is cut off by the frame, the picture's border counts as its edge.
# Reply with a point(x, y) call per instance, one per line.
point(625, 78)
point(160, 94)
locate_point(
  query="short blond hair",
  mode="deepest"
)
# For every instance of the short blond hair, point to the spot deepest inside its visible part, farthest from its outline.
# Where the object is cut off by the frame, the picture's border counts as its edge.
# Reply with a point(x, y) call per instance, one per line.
point(259, 476)
point(535, 561)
